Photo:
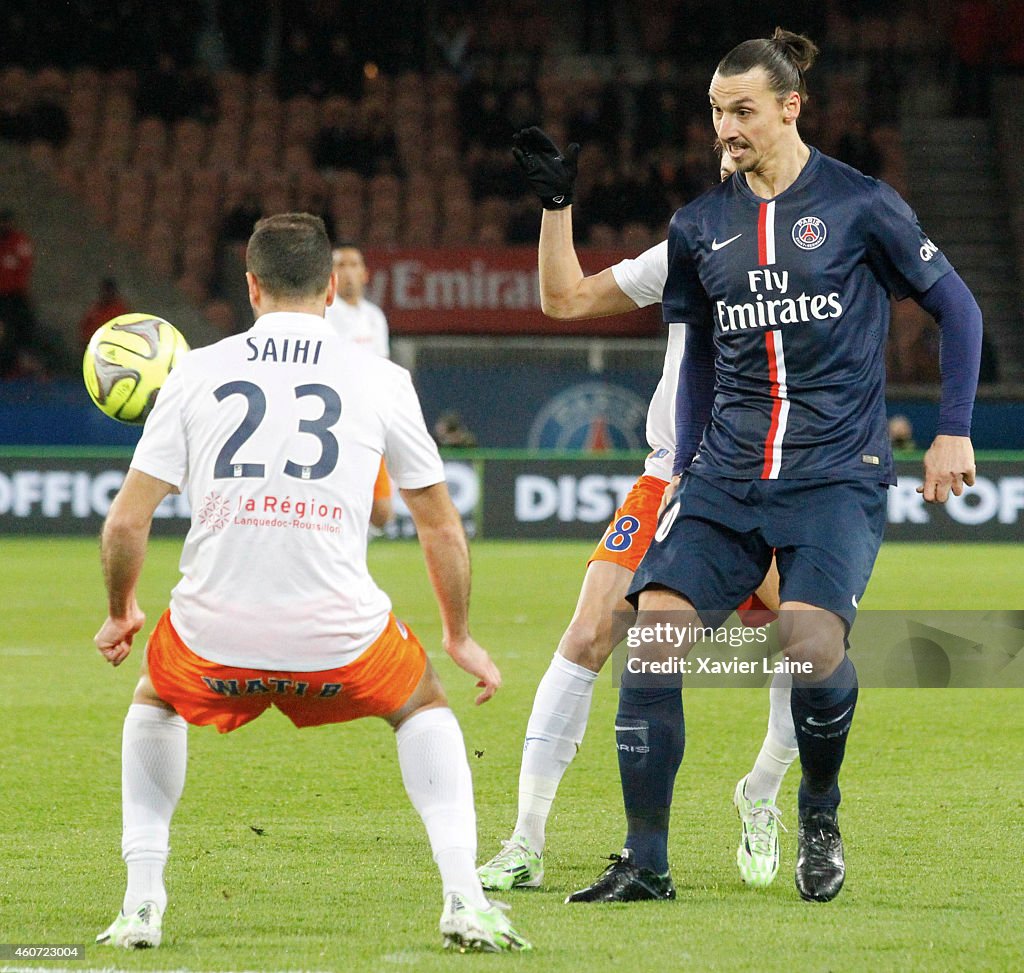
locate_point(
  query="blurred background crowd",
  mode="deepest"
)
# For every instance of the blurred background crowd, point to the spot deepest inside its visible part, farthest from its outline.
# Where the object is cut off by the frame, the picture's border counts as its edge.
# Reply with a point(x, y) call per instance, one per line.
point(178, 124)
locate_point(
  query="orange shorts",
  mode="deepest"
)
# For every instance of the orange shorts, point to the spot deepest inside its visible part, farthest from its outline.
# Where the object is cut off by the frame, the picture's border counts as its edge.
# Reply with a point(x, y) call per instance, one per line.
point(632, 528)
point(382, 485)
point(378, 682)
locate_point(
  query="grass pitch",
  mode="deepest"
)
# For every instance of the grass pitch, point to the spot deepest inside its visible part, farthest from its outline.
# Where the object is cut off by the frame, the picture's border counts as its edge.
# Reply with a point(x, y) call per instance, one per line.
point(299, 851)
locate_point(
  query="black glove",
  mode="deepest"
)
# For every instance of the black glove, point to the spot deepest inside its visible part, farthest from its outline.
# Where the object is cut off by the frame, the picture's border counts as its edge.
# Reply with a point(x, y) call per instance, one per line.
point(550, 173)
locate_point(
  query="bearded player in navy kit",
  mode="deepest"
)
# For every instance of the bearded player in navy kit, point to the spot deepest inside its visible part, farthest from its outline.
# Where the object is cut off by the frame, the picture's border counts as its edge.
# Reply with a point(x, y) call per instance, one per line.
point(782, 276)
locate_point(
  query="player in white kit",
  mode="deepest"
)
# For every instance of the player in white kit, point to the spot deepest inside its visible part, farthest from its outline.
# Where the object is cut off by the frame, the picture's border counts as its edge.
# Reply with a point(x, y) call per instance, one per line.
point(277, 435)
point(350, 313)
point(354, 317)
point(562, 703)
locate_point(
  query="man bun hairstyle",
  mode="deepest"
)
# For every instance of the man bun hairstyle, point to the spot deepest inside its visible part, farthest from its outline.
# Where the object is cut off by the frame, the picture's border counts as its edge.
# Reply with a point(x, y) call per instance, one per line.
point(785, 57)
point(290, 255)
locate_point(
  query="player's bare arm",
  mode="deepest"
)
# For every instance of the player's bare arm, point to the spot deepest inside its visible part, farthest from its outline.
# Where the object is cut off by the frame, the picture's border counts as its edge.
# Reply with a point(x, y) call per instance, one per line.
point(123, 550)
point(565, 291)
point(446, 553)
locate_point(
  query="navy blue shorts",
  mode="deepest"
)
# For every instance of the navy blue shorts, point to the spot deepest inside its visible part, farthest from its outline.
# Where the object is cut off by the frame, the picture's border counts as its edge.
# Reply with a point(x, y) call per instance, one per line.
point(715, 540)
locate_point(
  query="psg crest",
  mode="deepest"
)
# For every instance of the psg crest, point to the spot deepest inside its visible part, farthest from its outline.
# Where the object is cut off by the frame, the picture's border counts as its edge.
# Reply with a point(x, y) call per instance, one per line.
point(809, 233)
point(593, 416)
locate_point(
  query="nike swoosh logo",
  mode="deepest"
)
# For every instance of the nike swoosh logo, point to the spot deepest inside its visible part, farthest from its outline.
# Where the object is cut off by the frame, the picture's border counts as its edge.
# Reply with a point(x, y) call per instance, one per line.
point(715, 245)
point(814, 722)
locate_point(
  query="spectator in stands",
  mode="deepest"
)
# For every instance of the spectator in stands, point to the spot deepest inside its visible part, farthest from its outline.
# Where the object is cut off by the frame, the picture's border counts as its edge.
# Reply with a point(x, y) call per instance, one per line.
point(901, 433)
point(450, 430)
point(16, 259)
point(108, 304)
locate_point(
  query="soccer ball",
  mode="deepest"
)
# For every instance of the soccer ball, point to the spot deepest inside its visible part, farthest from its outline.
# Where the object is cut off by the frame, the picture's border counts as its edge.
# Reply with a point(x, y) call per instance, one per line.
point(127, 362)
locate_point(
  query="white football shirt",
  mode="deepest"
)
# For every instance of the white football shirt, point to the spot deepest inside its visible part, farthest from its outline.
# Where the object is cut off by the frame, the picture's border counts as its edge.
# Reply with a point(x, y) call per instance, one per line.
point(277, 435)
point(364, 323)
point(643, 280)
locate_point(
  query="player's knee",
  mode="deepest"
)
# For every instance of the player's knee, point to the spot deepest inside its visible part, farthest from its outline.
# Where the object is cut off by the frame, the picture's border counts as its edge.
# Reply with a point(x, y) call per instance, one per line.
point(815, 637)
point(822, 655)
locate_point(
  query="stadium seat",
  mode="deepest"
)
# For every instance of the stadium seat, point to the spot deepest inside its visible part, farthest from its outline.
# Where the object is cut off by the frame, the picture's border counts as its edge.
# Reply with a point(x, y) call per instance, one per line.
point(131, 218)
point(98, 192)
point(188, 143)
point(159, 248)
point(382, 233)
point(194, 287)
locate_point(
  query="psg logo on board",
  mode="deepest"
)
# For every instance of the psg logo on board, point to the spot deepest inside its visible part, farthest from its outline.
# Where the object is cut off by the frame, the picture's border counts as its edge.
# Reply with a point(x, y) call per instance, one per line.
point(593, 416)
point(809, 233)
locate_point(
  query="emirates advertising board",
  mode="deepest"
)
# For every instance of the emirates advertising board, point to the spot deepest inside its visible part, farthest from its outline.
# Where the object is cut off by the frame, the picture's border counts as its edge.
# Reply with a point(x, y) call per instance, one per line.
point(519, 497)
point(482, 291)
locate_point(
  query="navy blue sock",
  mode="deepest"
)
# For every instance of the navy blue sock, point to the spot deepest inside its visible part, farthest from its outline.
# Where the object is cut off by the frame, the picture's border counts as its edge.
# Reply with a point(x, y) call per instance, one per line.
point(649, 738)
point(822, 715)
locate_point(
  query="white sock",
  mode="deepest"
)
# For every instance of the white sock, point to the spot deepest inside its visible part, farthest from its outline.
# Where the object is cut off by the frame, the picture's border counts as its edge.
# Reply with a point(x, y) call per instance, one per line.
point(153, 752)
point(779, 749)
point(553, 735)
point(432, 757)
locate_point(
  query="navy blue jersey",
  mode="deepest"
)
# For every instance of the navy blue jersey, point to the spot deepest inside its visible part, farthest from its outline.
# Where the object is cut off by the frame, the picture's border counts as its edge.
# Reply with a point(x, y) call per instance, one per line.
point(796, 291)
